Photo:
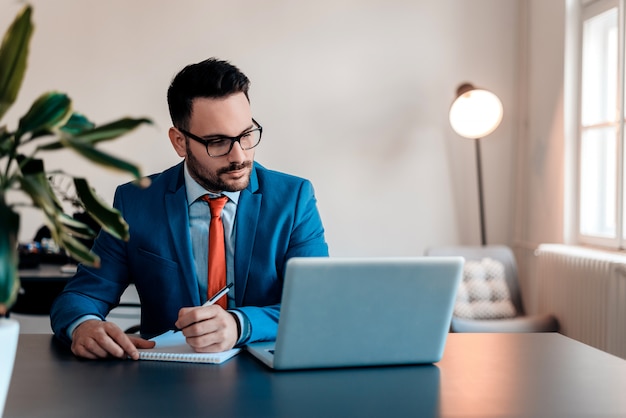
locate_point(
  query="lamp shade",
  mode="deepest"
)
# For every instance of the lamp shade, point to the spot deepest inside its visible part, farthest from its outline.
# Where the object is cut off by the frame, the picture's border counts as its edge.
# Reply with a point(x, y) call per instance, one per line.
point(475, 113)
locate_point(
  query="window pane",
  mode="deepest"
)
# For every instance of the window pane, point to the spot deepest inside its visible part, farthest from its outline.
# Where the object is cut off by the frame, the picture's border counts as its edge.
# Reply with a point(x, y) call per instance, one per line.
point(623, 206)
point(598, 182)
point(599, 72)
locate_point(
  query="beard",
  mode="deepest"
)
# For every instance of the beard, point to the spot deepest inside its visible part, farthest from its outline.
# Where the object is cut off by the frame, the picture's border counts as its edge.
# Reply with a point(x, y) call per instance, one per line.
point(212, 180)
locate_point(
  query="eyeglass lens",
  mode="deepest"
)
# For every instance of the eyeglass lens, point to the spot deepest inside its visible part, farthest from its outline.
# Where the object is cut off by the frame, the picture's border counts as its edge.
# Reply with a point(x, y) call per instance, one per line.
point(222, 146)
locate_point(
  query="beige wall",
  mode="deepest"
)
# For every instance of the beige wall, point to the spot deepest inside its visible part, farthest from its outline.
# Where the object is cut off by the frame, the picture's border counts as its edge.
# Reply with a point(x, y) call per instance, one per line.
point(541, 148)
point(540, 194)
point(352, 94)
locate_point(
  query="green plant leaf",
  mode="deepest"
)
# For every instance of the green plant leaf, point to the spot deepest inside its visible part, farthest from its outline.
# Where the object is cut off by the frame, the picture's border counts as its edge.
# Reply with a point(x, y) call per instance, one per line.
point(13, 55)
point(29, 165)
point(50, 111)
point(66, 238)
point(102, 158)
point(111, 130)
point(67, 224)
point(77, 124)
point(78, 250)
point(74, 227)
point(6, 141)
point(36, 185)
point(110, 219)
point(64, 229)
point(89, 137)
point(50, 115)
point(101, 133)
point(9, 277)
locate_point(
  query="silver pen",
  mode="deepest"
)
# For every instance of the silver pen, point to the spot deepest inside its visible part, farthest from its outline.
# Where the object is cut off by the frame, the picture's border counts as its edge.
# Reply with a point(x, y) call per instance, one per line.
point(218, 295)
point(213, 299)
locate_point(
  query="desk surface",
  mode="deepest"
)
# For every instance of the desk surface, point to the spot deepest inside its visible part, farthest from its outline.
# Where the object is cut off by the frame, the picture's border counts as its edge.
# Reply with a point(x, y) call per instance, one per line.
point(45, 272)
point(481, 375)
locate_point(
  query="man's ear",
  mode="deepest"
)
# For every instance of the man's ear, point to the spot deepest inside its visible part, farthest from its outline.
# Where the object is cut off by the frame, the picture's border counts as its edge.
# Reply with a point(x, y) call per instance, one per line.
point(178, 142)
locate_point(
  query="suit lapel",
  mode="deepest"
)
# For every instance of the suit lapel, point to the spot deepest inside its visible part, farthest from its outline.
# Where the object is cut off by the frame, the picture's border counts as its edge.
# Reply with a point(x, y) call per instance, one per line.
point(246, 224)
point(178, 223)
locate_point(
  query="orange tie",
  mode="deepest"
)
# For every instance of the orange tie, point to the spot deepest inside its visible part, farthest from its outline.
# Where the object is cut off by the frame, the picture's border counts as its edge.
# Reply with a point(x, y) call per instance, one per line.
point(217, 252)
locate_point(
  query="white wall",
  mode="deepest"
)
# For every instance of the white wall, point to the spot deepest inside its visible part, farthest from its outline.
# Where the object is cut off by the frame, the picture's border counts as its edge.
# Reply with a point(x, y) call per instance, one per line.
point(542, 144)
point(540, 185)
point(352, 94)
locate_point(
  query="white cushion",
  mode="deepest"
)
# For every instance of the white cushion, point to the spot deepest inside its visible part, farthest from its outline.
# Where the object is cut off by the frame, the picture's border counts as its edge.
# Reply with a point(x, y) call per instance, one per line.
point(483, 293)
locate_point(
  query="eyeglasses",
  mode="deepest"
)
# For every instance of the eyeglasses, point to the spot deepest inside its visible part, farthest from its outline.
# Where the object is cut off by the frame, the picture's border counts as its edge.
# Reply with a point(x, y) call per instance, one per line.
point(220, 145)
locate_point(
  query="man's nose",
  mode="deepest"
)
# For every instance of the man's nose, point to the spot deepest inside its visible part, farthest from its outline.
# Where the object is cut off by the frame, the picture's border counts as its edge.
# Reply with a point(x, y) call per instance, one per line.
point(236, 153)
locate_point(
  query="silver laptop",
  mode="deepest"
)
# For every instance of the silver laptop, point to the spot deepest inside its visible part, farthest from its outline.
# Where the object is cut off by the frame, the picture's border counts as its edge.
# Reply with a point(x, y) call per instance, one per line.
point(349, 312)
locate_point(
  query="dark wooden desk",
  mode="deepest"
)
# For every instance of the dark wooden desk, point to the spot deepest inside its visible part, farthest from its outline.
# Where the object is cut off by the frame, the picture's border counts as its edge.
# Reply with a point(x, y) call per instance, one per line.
point(481, 375)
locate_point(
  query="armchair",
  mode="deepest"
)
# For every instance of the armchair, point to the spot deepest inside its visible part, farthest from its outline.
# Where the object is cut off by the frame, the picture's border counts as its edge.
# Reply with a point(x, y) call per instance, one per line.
point(515, 320)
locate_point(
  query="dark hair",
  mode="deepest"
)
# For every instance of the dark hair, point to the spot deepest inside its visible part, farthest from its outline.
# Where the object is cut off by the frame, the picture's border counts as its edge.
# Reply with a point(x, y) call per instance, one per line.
point(210, 78)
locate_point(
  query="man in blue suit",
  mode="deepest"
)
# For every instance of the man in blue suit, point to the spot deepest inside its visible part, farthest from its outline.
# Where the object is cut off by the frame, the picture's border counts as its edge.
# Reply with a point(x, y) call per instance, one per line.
point(269, 217)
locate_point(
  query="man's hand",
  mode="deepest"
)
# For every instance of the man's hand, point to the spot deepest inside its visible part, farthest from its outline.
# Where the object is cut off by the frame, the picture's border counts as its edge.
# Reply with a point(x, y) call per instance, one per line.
point(208, 329)
point(95, 339)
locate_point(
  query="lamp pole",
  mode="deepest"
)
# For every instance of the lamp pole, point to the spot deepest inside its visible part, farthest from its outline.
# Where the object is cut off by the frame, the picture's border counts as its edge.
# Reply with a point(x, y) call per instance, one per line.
point(475, 113)
point(481, 208)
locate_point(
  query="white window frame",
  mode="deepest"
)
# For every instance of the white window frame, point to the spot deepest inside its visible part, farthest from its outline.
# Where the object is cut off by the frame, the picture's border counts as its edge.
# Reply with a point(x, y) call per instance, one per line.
point(590, 9)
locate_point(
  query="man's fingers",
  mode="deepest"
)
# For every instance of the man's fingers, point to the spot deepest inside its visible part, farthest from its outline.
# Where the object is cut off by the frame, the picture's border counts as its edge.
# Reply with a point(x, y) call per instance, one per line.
point(126, 346)
point(97, 347)
point(189, 316)
point(140, 342)
point(209, 343)
point(88, 349)
point(100, 339)
point(217, 333)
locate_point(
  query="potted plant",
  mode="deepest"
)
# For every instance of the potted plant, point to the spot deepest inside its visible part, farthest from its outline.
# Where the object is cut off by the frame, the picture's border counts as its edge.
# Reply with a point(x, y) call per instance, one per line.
point(50, 124)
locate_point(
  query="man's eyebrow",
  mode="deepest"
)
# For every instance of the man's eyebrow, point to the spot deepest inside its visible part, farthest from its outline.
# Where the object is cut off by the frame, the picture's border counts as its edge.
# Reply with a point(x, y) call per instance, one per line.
point(216, 136)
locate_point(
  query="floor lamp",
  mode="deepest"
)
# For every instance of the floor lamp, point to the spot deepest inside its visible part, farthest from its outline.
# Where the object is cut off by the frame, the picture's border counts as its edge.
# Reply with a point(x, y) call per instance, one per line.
point(474, 114)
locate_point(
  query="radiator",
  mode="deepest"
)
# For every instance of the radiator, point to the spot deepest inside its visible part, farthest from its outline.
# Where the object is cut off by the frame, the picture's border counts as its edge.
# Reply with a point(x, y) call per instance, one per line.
point(586, 290)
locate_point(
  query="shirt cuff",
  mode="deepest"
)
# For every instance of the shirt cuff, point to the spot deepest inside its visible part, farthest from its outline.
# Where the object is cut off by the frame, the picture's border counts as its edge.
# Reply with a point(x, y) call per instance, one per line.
point(73, 325)
point(243, 325)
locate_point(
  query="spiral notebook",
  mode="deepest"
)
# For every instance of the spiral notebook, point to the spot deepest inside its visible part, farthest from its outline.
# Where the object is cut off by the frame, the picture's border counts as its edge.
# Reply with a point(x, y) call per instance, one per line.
point(171, 346)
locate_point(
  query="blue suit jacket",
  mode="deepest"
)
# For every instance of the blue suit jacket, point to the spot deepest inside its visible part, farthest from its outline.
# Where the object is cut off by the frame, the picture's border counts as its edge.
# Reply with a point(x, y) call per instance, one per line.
point(277, 218)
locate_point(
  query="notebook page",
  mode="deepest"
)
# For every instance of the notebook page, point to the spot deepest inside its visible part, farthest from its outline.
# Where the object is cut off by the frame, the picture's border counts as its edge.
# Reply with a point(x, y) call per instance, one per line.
point(171, 346)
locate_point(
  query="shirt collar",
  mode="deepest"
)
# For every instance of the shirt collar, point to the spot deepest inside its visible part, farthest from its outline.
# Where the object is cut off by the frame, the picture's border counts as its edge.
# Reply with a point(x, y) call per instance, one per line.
point(195, 191)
